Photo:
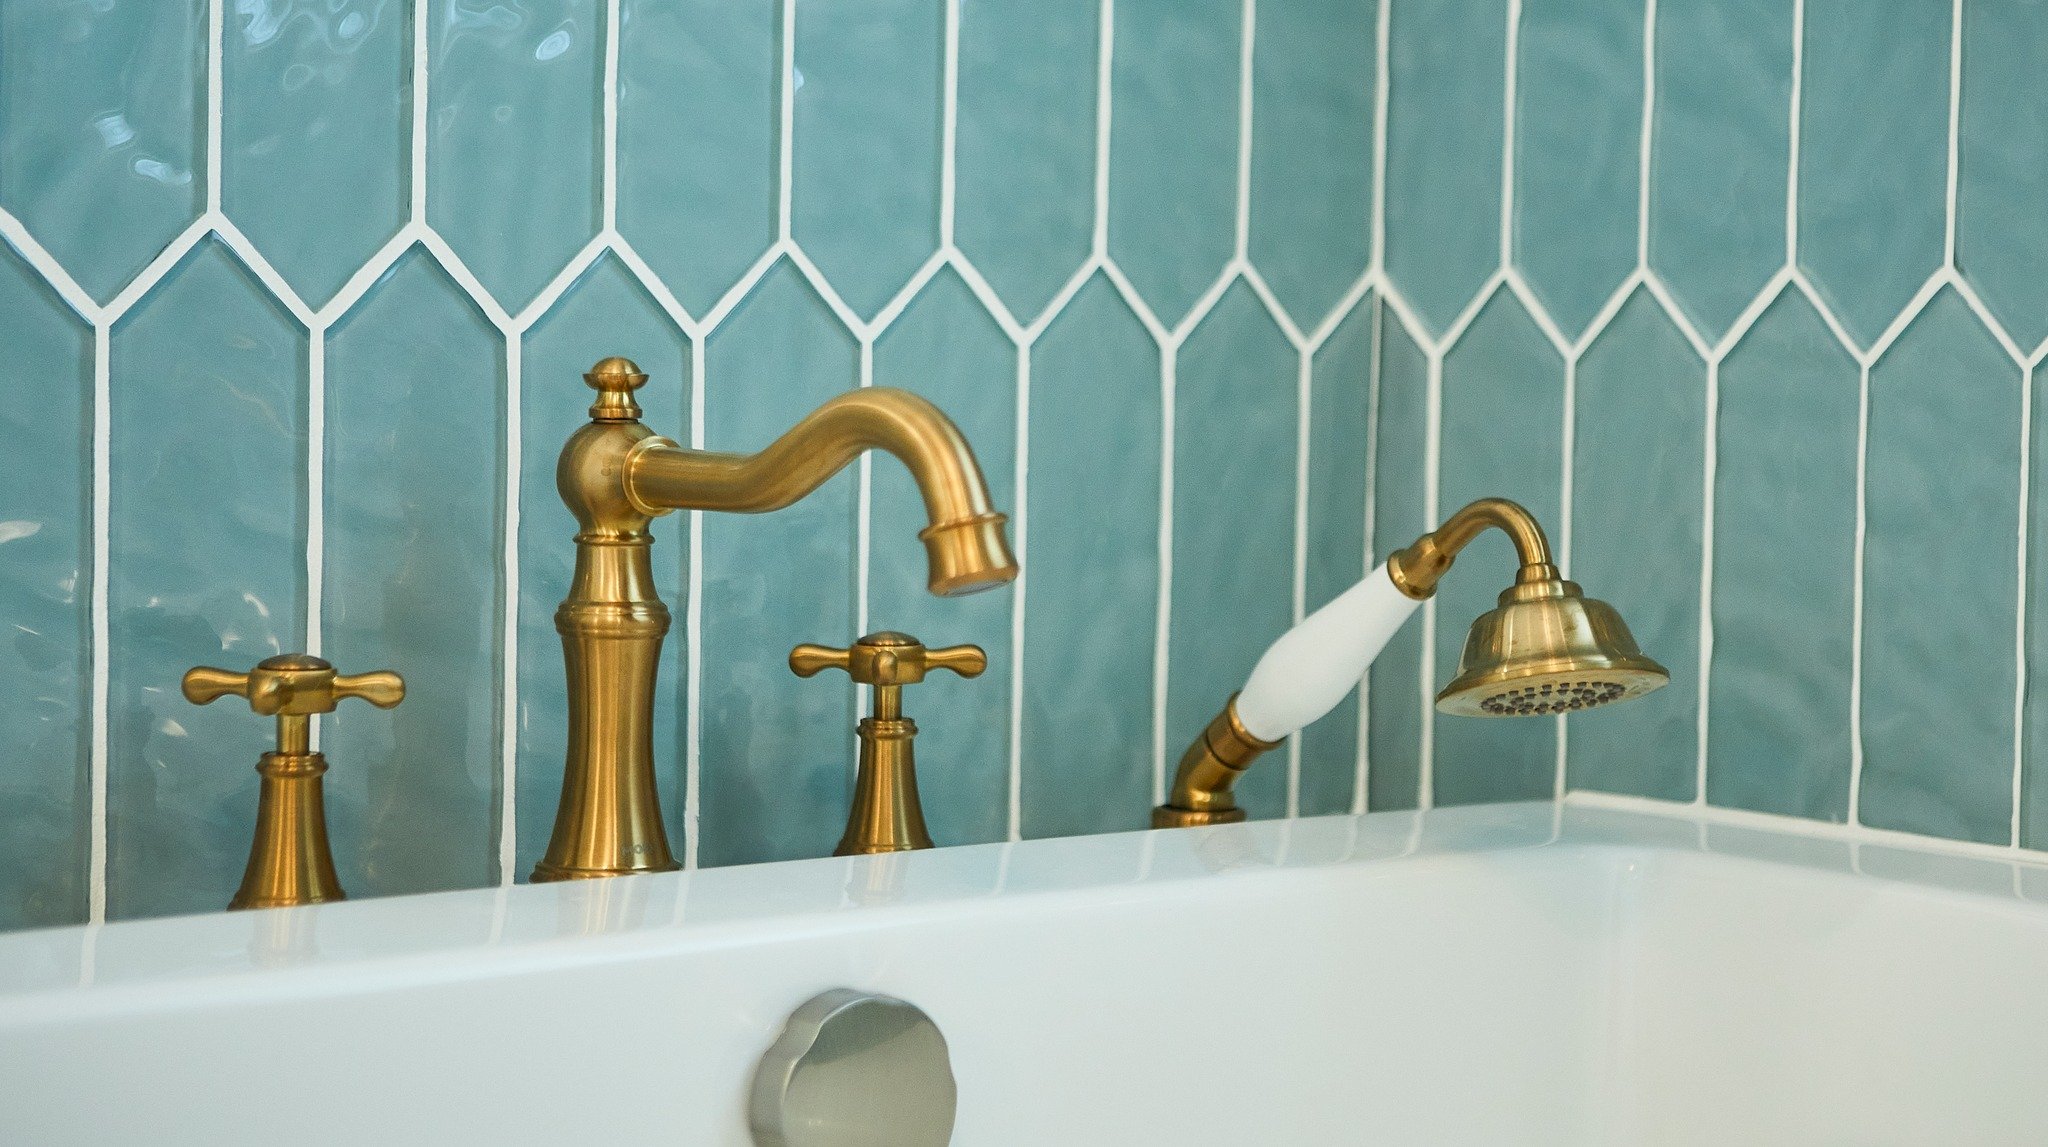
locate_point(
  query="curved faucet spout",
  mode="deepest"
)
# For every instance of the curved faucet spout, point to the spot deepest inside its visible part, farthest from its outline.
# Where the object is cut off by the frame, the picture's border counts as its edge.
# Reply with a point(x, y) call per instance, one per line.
point(615, 475)
point(965, 544)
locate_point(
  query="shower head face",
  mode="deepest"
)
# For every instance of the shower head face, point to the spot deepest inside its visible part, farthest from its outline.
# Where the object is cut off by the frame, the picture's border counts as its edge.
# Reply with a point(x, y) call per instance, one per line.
point(1548, 649)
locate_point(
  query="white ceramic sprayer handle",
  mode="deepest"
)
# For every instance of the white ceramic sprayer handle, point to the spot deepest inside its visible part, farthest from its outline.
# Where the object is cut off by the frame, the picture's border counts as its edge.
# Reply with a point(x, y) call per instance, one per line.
point(1304, 674)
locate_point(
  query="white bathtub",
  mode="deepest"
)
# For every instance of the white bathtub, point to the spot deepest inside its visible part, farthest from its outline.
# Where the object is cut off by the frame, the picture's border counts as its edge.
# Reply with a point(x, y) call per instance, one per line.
point(1523, 974)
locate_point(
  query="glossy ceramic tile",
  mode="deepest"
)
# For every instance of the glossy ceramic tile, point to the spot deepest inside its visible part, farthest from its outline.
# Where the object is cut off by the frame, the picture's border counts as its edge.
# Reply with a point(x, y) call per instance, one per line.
point(512, 146)
point(1174, 147)
point(1400, 513)
point(1503, 426)
point(315, 121)
point(1778, 693)
point(1339, 453)
point(948, 349)
point(1638, 478)
point(1091, 570)
point(103, 154)
point(604, 314)
point(866, 198)
point(414, 490)
point(44, 566)
point(2002, 164)
point(100, 152)
point(1719, 151)
point(1235, 440)
point(207, 568)
point(698, 111)
point(1312, 115)
point(1944, 454)
point(1873, 159)
point(1025, 156)
point(1443, 145)
point(777, 750)
point(1578, 134)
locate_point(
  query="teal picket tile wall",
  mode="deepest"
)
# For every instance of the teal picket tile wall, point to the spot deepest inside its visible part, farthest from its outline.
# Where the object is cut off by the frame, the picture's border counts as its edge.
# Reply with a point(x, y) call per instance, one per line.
point(1443, 152)
point(1721, 135)
point(207, 566)
point(1091, 570)
point(1747, 435)
point(866, 196)
point(103, 111)
point(1399, 510)
point(1174, 147)
point(1780, 692)
point(1341, 391)
point(698, 120)
point(45, 572)
point(947, 348)
point(1578, 131)
point(1233, 494)
point(1944, 478)
point(1638, 471)
point(411, 581)
point(1502, 429)
point(1026, 147)
point(512, 131)
point(314, 115)
point(777, 762)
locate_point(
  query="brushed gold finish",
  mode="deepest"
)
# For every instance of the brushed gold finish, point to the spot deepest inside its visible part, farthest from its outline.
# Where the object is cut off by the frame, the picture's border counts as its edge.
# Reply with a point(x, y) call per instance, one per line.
point(616, 476)
point(289, 859)
point(886, 815)
point(1208, 770)
point(1545, 649)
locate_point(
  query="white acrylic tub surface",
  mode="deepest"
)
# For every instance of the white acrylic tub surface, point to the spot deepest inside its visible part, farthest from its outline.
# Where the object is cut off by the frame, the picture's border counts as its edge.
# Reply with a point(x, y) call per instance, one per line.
point(1522, 974)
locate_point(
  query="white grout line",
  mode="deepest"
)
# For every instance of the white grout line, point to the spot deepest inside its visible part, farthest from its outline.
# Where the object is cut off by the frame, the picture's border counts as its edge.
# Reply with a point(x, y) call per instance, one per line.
point(1382, 87)
point(418, 140)
point(1955, 111)
point(1512, 65)
point(1361, 791)
point(1568, 434)
point(1162, 643)
point(949, 126)
point(693, 631)
point(316, 496)
point(1797, 105)
point(1105, 71)
point(1856, 594)
point(2019, 692)
point(1647, 136)
point(1020, 537)
point(215, 17)
point(1710, 463)
point(102, 640)
point(1247, 40)
point(785, 141)
point(509, 588)
point(1432, 486)
point(608, 190)
point(1298, 604)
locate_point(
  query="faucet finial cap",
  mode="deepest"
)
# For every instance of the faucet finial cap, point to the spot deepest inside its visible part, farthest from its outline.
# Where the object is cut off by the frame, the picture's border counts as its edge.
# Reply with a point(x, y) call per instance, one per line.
point(615, 379)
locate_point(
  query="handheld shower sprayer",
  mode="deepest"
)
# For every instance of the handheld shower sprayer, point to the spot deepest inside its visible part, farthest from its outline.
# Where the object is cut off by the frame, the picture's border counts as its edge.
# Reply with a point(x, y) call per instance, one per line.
point(1545, 649)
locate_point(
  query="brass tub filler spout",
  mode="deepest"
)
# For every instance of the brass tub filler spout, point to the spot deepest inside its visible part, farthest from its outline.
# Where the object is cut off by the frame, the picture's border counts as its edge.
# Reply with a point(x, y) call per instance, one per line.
point(616, 476)
point(1546, 649)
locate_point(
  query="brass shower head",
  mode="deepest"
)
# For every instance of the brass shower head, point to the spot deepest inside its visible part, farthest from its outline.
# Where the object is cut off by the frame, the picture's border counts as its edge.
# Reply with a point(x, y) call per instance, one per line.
point(1547, 648)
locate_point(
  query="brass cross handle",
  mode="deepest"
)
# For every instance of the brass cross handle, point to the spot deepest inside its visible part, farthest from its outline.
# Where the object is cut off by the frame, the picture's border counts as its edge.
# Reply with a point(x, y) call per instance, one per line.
point(293, 685)
point(888, 659)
